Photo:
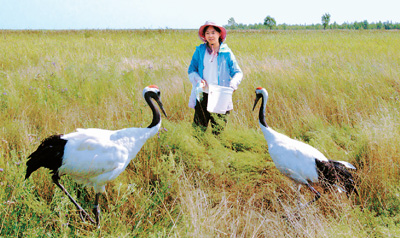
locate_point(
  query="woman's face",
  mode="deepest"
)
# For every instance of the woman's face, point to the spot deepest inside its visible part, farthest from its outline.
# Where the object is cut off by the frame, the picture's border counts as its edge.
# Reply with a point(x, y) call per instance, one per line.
point(212, 36)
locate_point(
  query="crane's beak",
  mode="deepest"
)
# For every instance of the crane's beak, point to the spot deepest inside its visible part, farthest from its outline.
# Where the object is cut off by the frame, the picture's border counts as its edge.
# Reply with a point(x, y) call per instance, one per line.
point(161, 106)
point(258, 97)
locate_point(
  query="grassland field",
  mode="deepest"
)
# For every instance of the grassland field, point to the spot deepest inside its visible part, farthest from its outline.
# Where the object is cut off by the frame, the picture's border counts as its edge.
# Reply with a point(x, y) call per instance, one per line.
point(336, 90)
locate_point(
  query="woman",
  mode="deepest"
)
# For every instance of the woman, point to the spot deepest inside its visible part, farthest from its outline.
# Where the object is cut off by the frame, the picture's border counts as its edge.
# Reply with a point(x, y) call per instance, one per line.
point(213, 63)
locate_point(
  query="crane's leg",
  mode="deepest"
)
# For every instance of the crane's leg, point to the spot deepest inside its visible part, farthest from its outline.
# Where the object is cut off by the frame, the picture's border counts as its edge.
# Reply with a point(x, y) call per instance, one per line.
point(297, 188)
point(317, 195)
point(81, 210)
point(96, 209)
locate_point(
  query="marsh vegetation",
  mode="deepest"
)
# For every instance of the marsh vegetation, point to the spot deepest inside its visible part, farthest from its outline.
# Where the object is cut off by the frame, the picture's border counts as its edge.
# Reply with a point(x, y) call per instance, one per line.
point(335, 90)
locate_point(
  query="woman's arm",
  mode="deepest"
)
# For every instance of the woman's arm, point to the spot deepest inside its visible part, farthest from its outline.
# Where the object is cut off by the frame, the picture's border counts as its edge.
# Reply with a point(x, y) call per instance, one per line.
point(236, 79)
point(194, 78)
point(236, 72)
point(193, 70)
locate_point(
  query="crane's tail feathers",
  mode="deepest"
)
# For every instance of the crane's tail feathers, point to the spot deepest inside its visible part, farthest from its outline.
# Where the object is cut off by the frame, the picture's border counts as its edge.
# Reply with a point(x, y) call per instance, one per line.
point(339, 189)
point(49, 155)
point(347, 164)
point(335, 173)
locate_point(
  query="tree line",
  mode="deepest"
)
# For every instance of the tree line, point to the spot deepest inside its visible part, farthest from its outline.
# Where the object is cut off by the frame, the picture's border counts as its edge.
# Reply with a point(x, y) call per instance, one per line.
point(270, 23)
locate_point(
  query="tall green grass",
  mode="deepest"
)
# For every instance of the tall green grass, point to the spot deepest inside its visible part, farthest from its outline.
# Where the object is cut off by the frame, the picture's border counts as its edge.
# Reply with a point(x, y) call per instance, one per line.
point(335, 90)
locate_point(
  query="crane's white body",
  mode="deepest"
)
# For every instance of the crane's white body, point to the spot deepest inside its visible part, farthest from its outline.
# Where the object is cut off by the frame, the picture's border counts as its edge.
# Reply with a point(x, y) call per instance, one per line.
point(293, 158)
point(94, 156)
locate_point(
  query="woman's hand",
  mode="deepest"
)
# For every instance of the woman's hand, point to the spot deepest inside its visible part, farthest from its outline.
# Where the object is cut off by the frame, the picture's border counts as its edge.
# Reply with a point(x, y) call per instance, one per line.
point(203, 84)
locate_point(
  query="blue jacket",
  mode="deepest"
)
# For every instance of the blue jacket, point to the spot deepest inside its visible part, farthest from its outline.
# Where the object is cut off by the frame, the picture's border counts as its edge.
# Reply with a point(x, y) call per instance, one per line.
point(229, 72)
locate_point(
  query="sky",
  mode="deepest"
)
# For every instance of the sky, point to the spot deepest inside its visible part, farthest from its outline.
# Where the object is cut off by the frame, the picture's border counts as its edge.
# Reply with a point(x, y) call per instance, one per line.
point(185, 14)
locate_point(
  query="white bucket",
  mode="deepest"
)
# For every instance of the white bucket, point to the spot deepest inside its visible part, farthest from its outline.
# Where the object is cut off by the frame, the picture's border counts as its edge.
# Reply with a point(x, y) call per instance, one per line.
point(219, 98)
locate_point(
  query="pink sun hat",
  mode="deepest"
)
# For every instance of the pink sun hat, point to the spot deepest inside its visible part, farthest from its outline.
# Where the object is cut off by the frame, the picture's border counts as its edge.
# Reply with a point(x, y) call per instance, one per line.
point(210, 23)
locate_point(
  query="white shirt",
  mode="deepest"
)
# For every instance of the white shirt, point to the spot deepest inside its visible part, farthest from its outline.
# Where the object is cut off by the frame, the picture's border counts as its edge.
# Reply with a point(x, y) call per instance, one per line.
point(210, 73)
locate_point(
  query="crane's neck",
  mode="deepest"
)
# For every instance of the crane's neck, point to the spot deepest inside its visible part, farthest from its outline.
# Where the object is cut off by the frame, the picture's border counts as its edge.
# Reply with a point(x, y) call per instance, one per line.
point(261, 114)
point(156, 113)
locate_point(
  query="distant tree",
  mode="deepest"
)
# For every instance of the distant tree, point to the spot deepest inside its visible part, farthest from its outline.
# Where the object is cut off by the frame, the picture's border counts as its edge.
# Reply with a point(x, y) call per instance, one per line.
point(365, 24)
point(379, 25)
point(357, 25)
point(388, 25)
point(232, 22)
point(335, 26)
point(326, 18)
point(269, 22)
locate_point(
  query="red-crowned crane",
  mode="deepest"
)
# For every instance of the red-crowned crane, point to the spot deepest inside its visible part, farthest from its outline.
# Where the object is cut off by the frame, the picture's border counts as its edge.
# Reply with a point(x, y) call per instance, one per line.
point(301, 162)
point(93, 157)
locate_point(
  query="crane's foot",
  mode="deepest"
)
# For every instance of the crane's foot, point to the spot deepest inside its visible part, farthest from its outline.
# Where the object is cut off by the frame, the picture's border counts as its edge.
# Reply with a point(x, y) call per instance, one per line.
point(85, 216)
point(96, 211)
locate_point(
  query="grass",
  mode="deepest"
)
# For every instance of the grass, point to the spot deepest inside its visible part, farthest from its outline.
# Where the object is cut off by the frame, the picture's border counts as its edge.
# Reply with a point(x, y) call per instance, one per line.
point(335, 90)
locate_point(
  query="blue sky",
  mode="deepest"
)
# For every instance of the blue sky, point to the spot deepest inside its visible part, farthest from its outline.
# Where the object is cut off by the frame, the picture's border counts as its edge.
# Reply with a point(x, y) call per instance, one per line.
point(184, 14)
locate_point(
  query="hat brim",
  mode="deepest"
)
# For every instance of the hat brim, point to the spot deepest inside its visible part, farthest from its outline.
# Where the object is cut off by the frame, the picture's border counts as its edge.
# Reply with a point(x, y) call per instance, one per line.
point(201, 31)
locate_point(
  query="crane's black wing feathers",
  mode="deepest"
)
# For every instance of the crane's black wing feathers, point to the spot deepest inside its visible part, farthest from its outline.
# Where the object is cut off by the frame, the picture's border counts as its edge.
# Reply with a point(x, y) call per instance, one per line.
point(332, 172)
point(49, 154)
